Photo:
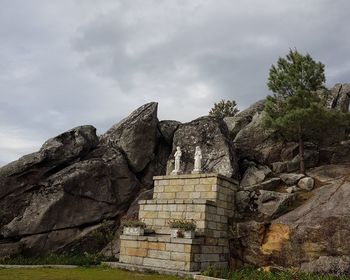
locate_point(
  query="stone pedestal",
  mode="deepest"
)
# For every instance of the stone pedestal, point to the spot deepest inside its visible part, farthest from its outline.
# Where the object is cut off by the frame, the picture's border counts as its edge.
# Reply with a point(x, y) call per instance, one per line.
point(206, 198)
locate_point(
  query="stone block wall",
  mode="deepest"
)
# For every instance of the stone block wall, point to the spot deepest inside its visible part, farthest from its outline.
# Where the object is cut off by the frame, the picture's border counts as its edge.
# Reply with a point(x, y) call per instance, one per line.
point(210, 186)
point(206, 198)
point(172, 253)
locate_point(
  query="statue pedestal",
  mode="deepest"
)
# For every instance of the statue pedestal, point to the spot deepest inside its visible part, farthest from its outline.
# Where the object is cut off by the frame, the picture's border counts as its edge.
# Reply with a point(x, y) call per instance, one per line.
point(196, 171)
point(206, 198)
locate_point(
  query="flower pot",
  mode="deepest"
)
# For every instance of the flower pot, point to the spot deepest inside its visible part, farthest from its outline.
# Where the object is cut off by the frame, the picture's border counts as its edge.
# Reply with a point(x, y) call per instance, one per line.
point(189, 234)
point(176, 233)
point(139, 231)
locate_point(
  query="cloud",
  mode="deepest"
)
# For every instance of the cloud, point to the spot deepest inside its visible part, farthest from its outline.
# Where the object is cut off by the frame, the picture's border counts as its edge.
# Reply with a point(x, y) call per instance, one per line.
point(68, 63)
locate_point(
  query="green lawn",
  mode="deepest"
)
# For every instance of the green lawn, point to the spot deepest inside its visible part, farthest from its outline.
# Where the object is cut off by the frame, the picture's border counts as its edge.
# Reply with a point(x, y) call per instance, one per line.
point(77, 274)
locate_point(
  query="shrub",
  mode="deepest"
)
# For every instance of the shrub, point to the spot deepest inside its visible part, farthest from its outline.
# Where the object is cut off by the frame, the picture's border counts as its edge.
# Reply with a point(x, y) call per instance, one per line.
point(132, 222)
point(186, 225)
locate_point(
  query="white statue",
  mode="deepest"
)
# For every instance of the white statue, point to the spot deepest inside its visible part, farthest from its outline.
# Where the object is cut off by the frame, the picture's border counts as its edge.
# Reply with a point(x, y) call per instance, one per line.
point(177, 156)
point(197, 160)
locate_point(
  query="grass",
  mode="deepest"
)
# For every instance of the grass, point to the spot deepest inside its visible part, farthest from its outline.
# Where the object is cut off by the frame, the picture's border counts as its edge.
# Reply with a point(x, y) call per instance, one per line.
point(78, 274)
point(84, 259)
point(253, 274)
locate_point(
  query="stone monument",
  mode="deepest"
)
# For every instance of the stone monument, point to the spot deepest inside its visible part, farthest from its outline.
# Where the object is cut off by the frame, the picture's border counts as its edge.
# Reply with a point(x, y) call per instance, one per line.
point(177, 156)
point(197, 161)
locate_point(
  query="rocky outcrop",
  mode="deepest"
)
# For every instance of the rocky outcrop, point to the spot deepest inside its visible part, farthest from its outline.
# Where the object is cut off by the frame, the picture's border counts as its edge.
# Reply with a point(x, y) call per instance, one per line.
point(313, 233)
point(64, 196)
point(255, 143)
point(341, 97)
point(212, 136)
point(61, 194)
point(255, 175)
point(136, 136)
point(239, 121)
point(271, 203)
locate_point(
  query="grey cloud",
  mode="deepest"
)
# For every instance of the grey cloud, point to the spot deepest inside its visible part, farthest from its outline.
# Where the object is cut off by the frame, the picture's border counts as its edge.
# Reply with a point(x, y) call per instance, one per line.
point(68, 63)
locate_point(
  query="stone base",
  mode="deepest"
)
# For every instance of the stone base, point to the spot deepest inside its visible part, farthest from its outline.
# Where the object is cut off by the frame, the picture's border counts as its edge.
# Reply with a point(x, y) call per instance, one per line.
point(147, 269)
point(162, 251)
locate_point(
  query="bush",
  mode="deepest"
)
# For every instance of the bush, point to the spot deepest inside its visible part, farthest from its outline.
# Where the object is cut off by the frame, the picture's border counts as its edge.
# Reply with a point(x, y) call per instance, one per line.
point(84, 259)
point(254, 274)
point(224, 108)
point(183, 224)
point(132, 222)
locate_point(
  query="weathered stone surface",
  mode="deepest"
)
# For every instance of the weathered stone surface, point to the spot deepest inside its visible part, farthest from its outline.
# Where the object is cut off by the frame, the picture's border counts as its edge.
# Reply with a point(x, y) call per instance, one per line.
point(167, 130)
point(291, 178)
point(271, 203)
point(133, 210)
point(245, 245)
point(313, 236)
point(212, 136)
point(311, 158)
point(335, 154)
point(255, 175)
point(279, 167)
point(255, 143)
point(341, 97)
point(306, 183)
point(74, 240)
point(55, 154)
point(327, 173)
point(337, 265)
point(74, 181)
point(70, 199)
point(158, 165)
point(292, 189)
point(239, 121)
point(245, 201)
point(270, 184)
point(136, 136)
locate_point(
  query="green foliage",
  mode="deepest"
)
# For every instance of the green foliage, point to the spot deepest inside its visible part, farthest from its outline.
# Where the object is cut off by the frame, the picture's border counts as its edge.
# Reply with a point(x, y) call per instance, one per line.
point(132, 222)
point(297, 108)
point(253, 274)
point(96, 273)
point(296, 73)
point(186, 225)
point(84, 259)
point(105, 235)
point(224, 108)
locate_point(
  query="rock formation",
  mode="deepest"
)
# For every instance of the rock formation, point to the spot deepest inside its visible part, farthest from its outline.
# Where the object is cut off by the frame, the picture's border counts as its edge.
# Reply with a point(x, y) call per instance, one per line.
point(79, 185)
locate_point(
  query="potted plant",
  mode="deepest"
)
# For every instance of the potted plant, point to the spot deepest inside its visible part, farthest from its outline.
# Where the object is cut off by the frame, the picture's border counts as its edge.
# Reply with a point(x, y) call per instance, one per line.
point(133, 226)
point(182, 228)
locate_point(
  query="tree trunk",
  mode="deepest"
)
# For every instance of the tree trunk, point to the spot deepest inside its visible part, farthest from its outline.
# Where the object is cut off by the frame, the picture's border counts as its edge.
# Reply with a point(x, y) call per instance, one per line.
point(301, 152)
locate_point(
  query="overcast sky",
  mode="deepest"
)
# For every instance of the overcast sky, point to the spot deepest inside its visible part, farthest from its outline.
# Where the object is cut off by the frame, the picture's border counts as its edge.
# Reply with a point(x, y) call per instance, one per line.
point(66, 63)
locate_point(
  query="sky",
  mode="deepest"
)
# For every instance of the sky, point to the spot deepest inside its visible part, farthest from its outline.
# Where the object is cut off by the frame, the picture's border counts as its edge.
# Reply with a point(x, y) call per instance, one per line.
point(73, 62)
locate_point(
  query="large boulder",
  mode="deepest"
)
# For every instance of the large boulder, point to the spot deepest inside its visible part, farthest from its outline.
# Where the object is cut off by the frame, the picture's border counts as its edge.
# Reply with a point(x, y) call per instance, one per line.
point(255, 143)
point(341, 97)
point(76, 181)
point(271, 203)
point(136, 136)
point(20, 179)
point(84, 193)
point(212, 136)
point(312, 233)
point(255, 175)
point(239, 121)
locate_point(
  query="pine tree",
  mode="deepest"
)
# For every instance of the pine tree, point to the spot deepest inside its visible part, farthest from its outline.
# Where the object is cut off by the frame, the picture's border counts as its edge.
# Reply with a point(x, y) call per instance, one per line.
point(296, 109)
point(224, 109)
